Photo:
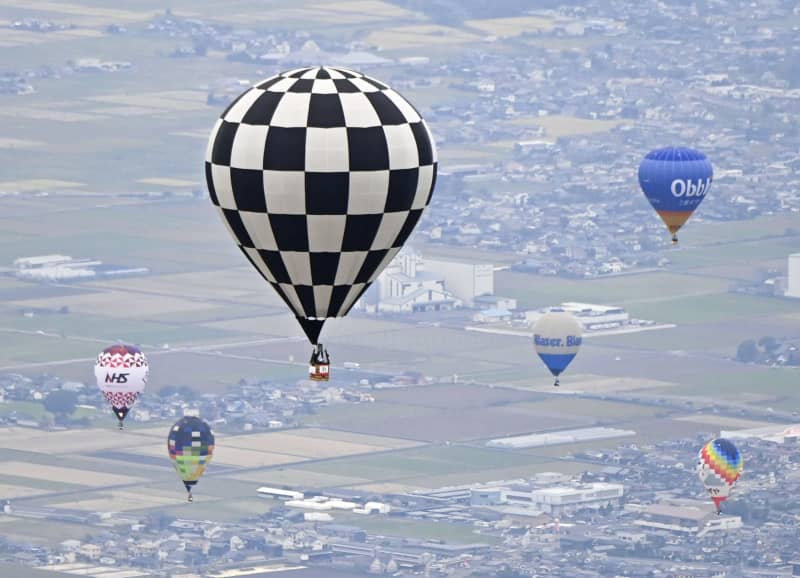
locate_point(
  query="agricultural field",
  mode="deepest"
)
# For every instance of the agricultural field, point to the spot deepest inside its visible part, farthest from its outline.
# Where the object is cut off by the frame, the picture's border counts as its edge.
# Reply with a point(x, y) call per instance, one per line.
point(428, 467)
point(69, 475)
point(504, 27)
point(313, 443)
point(556, 126)
point(419, 36)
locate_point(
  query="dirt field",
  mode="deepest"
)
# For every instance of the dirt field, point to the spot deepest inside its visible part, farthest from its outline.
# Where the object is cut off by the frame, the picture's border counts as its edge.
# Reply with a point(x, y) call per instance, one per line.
point(66, 474)
point(119, 501)
point(303, 444)
point(68, 442)
point(441, 425)
point(9, 492)
point(345, 436)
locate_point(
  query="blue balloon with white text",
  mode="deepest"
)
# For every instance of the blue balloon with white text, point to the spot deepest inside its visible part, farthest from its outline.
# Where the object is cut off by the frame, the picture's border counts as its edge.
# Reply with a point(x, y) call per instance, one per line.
point(675, 181)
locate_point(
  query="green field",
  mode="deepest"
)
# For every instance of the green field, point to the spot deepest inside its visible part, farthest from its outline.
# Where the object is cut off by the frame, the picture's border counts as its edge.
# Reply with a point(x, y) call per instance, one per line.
point(710, 308)
point(420, 530)
point(36, 483)
point(708, 233)
point(36, 411)
point(733, 252)
point(51, 533)
point(127, 144)
point(18, 571)
point(605, 410)
point(533, 291)
point(428, 462)
point(761, 381)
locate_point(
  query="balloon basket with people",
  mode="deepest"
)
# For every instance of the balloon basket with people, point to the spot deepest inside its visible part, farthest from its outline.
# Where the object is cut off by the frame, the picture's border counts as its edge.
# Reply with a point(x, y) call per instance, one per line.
point(319, 368)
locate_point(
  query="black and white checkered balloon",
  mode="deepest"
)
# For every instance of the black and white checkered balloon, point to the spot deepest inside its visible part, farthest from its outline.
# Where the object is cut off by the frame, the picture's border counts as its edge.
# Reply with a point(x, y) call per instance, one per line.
point(320, 174)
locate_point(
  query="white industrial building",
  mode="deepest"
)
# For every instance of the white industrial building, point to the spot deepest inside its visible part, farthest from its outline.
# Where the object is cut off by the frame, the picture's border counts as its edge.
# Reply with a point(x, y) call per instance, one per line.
point(562, 500)
point(406, 286)
point(326, 504)
point(793, 281)
point(279, 493)
point(571, 436)
point(54, 268)
point(466, 280)
point(66, 268)
point(412, 283)
point(556, 501)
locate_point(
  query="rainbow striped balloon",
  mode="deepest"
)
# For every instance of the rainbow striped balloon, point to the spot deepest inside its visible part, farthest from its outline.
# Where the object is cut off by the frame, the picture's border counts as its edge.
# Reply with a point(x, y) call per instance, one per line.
point(719, 466)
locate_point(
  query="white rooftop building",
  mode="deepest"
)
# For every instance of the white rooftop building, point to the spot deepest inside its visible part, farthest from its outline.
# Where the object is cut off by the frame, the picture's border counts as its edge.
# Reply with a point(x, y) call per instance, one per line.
point(41, 261)
point(590, 315)
point(556, 500)
point(561, 500)
point(560, 437)
point(465, 279)
point(65, 268)
point(685, 519)
point(279, 493)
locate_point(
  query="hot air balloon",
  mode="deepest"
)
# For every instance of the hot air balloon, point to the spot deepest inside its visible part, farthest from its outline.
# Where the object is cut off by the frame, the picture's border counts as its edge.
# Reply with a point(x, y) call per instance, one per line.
point(557, 336)
point(675, 181)
point(121, 372)
point(190, 444)
point(719, 466)
point(320, 175)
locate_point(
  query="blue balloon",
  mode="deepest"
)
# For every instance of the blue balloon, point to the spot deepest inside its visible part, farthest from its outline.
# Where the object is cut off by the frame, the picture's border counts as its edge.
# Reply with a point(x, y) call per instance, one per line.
point(675, 180)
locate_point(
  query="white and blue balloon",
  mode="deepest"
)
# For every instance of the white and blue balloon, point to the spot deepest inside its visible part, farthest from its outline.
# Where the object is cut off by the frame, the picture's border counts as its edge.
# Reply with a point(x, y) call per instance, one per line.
point(557, 337)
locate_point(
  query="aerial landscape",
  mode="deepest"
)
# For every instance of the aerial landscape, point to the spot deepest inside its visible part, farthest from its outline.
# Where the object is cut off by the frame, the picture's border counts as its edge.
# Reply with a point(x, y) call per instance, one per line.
point(439, 446)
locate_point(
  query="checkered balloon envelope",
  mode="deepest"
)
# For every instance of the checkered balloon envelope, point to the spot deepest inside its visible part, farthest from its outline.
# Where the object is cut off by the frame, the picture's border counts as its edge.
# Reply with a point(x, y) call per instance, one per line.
point(320, 174)
point(190, 445)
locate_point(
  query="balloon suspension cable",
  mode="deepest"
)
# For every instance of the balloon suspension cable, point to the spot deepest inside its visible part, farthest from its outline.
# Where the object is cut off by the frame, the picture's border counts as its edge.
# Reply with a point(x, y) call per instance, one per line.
point(120, 425)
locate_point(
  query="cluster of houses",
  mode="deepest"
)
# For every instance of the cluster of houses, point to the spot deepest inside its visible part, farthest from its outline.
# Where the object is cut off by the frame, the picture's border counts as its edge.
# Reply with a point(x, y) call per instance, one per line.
point(248, 406)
